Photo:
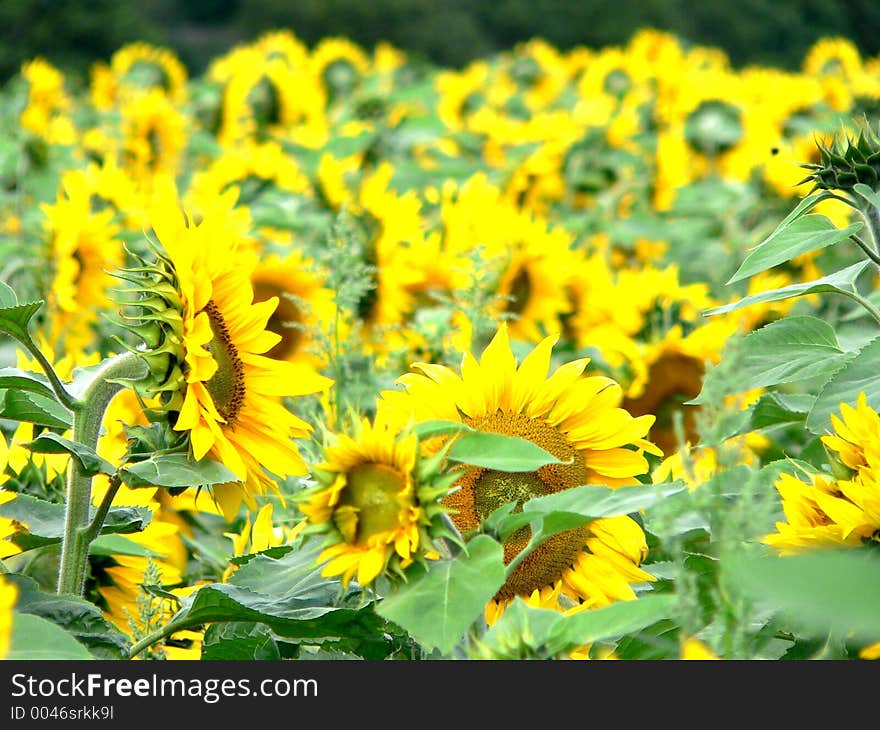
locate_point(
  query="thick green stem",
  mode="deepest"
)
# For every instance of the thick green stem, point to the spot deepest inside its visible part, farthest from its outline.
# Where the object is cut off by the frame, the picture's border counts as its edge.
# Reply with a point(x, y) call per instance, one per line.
point(872, 217)
point(87, 417)
point(866, 249)
point(170, 628)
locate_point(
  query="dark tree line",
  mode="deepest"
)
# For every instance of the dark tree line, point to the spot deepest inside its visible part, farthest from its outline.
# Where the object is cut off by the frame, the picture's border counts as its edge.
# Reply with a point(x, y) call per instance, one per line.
point(74, 33)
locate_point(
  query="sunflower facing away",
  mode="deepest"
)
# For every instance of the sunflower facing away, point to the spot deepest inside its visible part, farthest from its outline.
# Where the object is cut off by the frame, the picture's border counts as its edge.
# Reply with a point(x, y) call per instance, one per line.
point(576, 418)
point(225, 390)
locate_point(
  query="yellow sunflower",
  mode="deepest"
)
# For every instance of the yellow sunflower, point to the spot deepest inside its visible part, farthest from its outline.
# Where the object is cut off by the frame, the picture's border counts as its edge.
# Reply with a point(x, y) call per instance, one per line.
point(575, 418)
point(48, 104)
point(228, 392)
point(154, 134)
point(856, 437)
point(84, 250)
point(535, 280)
point(305, 305)
point(372, 503)
point(825, 512)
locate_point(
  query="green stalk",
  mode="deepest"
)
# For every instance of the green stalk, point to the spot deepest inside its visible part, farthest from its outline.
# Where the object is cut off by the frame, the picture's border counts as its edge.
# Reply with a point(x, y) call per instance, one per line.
point(872, 217)
point(88, 413)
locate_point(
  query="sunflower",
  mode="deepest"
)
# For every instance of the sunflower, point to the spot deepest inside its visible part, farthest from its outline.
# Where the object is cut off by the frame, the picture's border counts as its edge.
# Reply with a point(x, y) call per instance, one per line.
point(154, 135)
point(823, 512)
point(856, 437)
point(135, 67)
point(339, 64)
point(84, 249)
point(48, 104)
point(535, 279)
point(269, 90)
point(253, 166)
point(305, 305)
point(374, 503)
point(226, 393)
point(575, 418)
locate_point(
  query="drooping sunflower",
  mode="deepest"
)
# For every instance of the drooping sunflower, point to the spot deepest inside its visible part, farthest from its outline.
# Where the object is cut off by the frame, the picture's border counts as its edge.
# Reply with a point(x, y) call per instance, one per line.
point(226, 393)
point(374, 503)
point(577, 419)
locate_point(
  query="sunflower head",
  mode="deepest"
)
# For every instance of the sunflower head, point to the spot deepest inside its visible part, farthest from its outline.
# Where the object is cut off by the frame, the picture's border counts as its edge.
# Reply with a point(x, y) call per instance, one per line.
point(574, 417)
point(206, 341)
point(375, 501)
point(847, 162)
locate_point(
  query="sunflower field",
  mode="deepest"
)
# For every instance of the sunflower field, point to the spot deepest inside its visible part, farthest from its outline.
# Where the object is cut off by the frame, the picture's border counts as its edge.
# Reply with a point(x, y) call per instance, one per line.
point(328, 353)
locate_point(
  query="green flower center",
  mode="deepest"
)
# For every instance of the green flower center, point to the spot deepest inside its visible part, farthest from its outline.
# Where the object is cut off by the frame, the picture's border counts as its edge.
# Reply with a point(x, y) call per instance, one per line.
point(374, 491)
point(226, 387)
point(714, 127)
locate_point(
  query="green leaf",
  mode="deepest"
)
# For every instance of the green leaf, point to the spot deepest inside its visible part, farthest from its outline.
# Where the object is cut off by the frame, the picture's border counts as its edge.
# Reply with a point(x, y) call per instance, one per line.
point(859, 374)
point(15, 379)
point(822, 590)
point(113, 544)
point(176, 470)
point(775, 409)
point(808, 203)
point(802, 235)
point(292, 617)
point(78, 617)
point(610, 622)
point(430, 429)
point(89, 461)
point(438, 607)
point(36, 639)
point(788, 350)
point(14, 319)
point(19, 405)
point(839, 282)
point(44, 520)
point(8, 297)
point(502, 453)
point(570, 508)
point(868, 193)
point(522, 632)
point(239, 641)
point(296, 573)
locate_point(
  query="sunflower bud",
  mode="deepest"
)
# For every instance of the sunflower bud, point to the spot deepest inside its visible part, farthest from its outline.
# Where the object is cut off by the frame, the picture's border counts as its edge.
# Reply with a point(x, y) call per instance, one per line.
point(847, 162)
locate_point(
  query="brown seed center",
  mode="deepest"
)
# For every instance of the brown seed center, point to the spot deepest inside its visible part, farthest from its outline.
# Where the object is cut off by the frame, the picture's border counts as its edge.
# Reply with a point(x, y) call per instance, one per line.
point(484, 490)
point(227, 386)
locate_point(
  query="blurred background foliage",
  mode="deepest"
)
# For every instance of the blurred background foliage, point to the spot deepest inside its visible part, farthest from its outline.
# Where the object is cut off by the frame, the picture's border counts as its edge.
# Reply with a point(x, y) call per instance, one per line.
point(74, 33)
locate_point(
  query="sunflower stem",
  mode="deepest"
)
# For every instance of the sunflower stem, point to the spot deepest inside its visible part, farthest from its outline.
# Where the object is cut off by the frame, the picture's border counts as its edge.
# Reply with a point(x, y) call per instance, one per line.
point(151, 639)
point(870, 308)
point(872, 217)
point(87, 418)
point(866, 249)
point(64, 396)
